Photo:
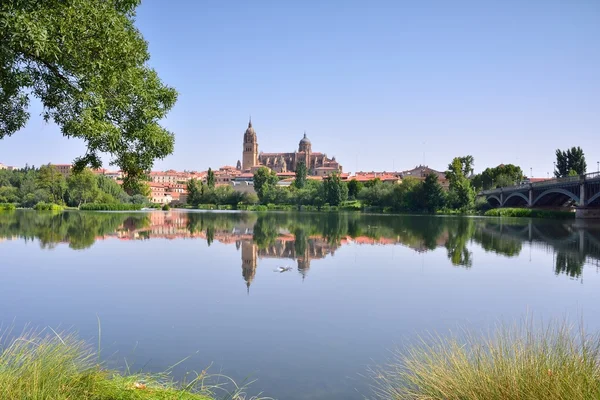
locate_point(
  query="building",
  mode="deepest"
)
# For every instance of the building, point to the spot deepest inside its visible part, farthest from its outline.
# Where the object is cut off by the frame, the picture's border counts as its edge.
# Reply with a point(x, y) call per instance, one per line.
point(316, 163)
point(64, 169)
point(421, 171)
point(114, 175)
point(160, 193)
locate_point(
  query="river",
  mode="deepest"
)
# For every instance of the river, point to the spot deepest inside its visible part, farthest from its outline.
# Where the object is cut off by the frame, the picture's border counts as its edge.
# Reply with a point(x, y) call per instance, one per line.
point(303, 303)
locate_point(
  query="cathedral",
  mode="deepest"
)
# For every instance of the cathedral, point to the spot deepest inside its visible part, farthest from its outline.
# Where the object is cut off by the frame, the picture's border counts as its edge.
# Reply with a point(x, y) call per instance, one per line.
point(316, 163)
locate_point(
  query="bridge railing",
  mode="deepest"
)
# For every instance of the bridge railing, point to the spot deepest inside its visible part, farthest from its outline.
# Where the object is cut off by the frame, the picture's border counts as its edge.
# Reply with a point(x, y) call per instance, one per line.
point(566, 179)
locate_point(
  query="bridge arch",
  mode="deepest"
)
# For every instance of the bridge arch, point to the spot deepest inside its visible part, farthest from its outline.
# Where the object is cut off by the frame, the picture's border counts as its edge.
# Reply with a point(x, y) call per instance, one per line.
point(492, 197)
point(516, 196)
point(593, 198)
point(556, 191)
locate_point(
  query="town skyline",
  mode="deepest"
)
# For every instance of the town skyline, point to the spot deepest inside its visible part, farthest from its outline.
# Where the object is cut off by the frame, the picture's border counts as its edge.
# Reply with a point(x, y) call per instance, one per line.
point(413, 88)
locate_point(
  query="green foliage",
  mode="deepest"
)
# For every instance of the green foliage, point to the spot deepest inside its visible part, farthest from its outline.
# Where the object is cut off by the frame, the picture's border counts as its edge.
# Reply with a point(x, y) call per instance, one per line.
point(513, 362)
point(82, 187)
point(41, 206)
point(52, 181)
point(529, 213)
point(30, 186)
point(354, 188)
point(570, 162)
point(193, 189)
point(301, 173)
point(7, 207)
point(432, 194)
point(110, 207)
point(210, 179)
point(88, 65)
point(264, 178)
point(462, 194)
point(166, 207)
point(500, 176)
point(334, 190)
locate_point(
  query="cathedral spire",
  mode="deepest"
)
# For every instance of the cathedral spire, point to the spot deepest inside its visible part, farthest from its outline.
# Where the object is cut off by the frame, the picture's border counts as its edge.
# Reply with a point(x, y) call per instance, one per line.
point(250, 122)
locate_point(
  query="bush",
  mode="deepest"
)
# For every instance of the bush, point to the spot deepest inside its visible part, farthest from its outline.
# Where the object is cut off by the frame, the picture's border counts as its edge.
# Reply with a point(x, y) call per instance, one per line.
point(528, 213)
point(166, 207)
point(523, 361)
point(110, 207)
point(41, 206)
point(7, 207)
point(60, 366)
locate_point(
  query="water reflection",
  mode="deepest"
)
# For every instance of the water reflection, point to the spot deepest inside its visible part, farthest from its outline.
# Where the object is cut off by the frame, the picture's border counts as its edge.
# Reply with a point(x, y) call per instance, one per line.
point(305, 237)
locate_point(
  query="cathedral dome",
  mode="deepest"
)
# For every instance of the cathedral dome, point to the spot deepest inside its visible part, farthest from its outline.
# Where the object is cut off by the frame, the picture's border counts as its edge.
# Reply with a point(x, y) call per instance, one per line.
point(304, 140)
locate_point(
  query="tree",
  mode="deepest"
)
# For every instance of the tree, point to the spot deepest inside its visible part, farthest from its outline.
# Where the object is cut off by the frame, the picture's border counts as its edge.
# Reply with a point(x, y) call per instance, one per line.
point(335, 191)
point(210, 179)
point(301, 172)
point(461, 194)
point(354, 188)
point(570, 162)
point(502, 175)
point(193, 189)
point(83, 187)
point(432, 194)
point(263, 178)
point(51, 180)
point(87, 64)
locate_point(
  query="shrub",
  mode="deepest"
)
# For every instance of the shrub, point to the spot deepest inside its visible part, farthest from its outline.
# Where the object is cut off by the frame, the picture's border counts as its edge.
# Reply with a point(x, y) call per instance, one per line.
point(60, 366)
point(166, 207)
point(514, 362)
point(110, 207)
point(42, 206)
point(7, 207)
point(528, 213)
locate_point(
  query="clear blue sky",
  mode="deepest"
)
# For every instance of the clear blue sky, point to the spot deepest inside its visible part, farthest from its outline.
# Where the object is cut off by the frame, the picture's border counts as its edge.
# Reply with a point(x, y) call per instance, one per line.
point(378, 84)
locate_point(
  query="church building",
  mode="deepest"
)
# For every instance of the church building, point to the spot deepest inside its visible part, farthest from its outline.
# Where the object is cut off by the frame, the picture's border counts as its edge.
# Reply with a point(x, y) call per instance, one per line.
point(316, 163)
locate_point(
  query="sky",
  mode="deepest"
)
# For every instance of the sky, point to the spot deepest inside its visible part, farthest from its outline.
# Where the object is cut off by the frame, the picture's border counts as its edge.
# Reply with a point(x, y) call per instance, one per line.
point(381, 85)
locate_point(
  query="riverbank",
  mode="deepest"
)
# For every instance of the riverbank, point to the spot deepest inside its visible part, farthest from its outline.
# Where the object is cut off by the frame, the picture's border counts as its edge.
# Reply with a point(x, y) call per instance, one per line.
point(555, 361)
point(61, 367)
point(529, 213)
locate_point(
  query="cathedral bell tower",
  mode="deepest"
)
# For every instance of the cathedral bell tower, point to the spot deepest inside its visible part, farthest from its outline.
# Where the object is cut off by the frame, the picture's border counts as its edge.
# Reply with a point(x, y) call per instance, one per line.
point(250, 153)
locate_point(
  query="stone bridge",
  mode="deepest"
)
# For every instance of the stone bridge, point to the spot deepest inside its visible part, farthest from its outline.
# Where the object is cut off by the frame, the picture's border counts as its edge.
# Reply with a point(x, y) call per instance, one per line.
point(582, 191)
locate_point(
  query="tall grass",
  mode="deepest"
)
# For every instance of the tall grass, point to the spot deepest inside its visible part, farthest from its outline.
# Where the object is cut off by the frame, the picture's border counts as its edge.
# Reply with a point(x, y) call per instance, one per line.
point(528, 213)
point(42, 206)
point(519, 362)
point(110, 207)
point(61, 367)
point(7, 207)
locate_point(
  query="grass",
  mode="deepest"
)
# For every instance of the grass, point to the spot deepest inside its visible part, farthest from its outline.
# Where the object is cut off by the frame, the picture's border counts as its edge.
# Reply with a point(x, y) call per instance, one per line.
point(7, 207)
point(42, 206)
point(519, 362)
point(529, 213)
point(110, 207)
point(61, 367)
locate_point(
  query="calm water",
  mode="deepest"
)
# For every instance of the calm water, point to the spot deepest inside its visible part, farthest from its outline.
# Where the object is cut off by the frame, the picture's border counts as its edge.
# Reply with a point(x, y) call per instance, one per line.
point(170, 285)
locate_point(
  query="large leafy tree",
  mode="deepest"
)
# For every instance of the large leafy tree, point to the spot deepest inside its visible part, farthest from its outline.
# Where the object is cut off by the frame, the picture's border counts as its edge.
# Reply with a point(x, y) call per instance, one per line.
point(335, 191)
point(52, 181)
point(264, 178)
point(82, 187)
point(570, 162)
point(194, 192)
point(461, 194)
point(502, 175)
point(87, 64)
point(432, 194)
